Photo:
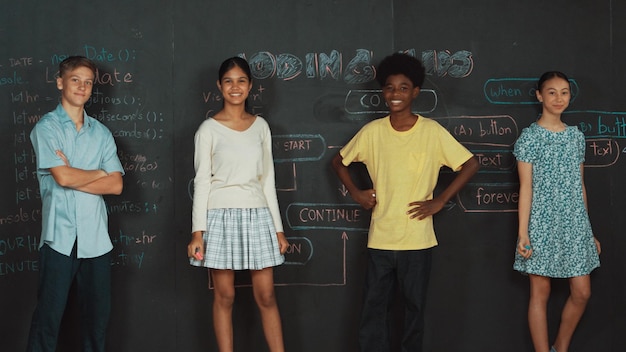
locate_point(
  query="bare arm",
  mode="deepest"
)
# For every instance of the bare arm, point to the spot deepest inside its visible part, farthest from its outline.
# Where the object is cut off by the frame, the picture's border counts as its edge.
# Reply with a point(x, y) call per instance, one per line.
point(366, 198)
point(89, 181)
point(525, 171)
point(423, 209)
point(110, 184)
point(582, 179)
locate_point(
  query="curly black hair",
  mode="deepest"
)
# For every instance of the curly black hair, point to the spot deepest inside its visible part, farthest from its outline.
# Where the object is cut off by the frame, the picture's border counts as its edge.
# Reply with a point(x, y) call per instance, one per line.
point(400, 63)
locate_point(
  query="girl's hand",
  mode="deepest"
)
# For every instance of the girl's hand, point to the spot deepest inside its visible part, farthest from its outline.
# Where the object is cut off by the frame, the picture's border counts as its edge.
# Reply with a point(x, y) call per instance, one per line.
point(195, 248)
point(598, 247)
point(283, 244)
point(524, 248)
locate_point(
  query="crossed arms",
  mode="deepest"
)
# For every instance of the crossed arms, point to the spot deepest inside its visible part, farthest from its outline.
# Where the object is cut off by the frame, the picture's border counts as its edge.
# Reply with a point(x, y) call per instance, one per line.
point(89, 181)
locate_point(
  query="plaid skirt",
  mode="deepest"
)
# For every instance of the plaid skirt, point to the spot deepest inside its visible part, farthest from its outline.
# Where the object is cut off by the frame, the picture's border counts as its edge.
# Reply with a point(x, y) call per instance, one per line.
point(240, 239)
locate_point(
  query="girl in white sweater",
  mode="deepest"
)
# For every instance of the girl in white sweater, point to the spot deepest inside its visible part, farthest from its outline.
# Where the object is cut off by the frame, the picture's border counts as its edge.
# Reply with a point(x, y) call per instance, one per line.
point(236, 222)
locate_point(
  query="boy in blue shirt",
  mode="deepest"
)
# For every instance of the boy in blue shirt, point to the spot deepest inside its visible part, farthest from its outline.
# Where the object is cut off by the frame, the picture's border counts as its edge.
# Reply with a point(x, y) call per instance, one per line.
point(77, 163)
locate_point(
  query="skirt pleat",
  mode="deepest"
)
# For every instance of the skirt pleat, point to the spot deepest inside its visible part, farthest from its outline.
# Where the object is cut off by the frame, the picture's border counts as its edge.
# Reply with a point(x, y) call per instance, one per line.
point(240, 239)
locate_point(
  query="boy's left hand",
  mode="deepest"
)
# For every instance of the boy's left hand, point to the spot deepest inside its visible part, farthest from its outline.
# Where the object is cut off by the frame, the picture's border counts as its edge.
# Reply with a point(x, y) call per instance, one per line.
point(424, 208)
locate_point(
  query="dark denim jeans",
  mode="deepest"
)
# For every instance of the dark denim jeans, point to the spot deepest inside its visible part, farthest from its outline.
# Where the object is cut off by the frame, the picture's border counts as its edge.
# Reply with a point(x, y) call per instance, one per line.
point(386, 270)
point(56, 274)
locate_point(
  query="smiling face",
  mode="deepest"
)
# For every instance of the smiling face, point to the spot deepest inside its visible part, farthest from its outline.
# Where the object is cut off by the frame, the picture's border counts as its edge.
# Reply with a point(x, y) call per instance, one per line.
point(76, 86)
point(399, 93)
point(554, 95)
point(235, 86)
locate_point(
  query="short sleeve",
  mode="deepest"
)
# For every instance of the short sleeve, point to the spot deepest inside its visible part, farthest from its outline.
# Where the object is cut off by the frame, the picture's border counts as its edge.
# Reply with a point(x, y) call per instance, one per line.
point(453, 152)
point(110, 160)
point(45, 142)
point(353, 150)
point(581, 146)
point(525, 148)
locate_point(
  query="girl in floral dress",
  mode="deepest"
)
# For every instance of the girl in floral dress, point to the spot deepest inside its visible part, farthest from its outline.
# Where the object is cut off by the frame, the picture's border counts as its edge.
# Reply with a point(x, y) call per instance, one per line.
point(555, 239)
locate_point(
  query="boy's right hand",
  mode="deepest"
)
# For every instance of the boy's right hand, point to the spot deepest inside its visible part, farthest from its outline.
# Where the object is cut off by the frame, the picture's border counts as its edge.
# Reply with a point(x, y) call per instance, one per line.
point(366, 198)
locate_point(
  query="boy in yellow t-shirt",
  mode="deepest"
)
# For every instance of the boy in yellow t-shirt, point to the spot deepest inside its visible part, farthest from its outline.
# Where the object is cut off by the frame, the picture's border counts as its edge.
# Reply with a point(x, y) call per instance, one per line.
point(403, 153)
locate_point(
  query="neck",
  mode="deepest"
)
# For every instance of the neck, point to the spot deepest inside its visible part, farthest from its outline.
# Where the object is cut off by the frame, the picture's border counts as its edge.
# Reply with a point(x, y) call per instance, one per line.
point(403, 121)
point(550, 119)
point(235, 112)
point(76, 114)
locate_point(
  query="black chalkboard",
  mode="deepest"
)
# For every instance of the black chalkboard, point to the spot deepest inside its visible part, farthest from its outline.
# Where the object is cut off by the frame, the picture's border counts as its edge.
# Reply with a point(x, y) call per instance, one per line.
point(313, 64)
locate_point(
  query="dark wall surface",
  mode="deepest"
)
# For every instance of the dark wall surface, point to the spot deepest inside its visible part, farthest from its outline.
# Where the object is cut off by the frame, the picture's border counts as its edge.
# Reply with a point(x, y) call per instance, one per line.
point(314, 69)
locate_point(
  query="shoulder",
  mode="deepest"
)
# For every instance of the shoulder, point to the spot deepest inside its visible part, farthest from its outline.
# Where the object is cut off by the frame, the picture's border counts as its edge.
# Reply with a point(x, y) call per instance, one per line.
point(51, 121)
point(428, 123)
point(206, 126)
point(575, 131)
point(375, 125)
point(97, 125)
point(530, 131)
point(260, 122)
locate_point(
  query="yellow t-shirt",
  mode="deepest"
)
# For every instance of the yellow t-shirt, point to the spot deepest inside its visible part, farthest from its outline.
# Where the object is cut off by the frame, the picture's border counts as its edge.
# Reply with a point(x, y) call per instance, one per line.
point(404, 167)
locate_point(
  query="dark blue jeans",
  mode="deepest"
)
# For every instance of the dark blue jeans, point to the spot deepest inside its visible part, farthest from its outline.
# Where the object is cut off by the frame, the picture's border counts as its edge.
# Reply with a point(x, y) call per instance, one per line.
point(56, 274)
point(386, 270)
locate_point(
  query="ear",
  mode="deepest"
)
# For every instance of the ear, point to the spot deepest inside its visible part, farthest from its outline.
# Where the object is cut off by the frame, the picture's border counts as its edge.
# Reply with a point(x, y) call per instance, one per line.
point(538, 95)
point(59, 83)
point(416, 92)
point(219, 85)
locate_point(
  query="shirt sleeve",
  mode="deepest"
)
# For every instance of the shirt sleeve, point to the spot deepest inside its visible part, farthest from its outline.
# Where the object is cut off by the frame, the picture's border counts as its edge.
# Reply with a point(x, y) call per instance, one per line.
point(202, 179)
point(523, 149)
point(110, 160)
point(45, 143)
point(582, 145)
point(353, 150)
point(454, 153)
point(269, 180)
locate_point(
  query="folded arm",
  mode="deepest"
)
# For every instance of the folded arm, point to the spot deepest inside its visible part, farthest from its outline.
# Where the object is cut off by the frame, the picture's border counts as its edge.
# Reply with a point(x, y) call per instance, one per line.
point(89, 181)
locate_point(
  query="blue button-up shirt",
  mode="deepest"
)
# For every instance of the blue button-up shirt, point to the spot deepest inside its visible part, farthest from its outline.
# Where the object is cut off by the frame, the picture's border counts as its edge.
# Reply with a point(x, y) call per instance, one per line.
point(70, 216)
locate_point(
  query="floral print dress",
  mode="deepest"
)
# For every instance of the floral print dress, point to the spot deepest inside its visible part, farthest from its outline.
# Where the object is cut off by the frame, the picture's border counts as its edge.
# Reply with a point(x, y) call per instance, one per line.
point(559, 228)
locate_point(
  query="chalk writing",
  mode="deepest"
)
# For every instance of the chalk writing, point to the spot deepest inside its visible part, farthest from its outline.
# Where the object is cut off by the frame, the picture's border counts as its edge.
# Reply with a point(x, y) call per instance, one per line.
point(495, 160)
point(359, 69)
point(20, 216)
point(371, 101)
point(601, 152)
point(298, 147)
point(482, 130)
point(598, 124)
point(489, 197)
point(441, 63)
point(300, 251)
point(99, 54)
point(349, 217)
point(517, 90)
point(25, 243)
point(18, 266)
